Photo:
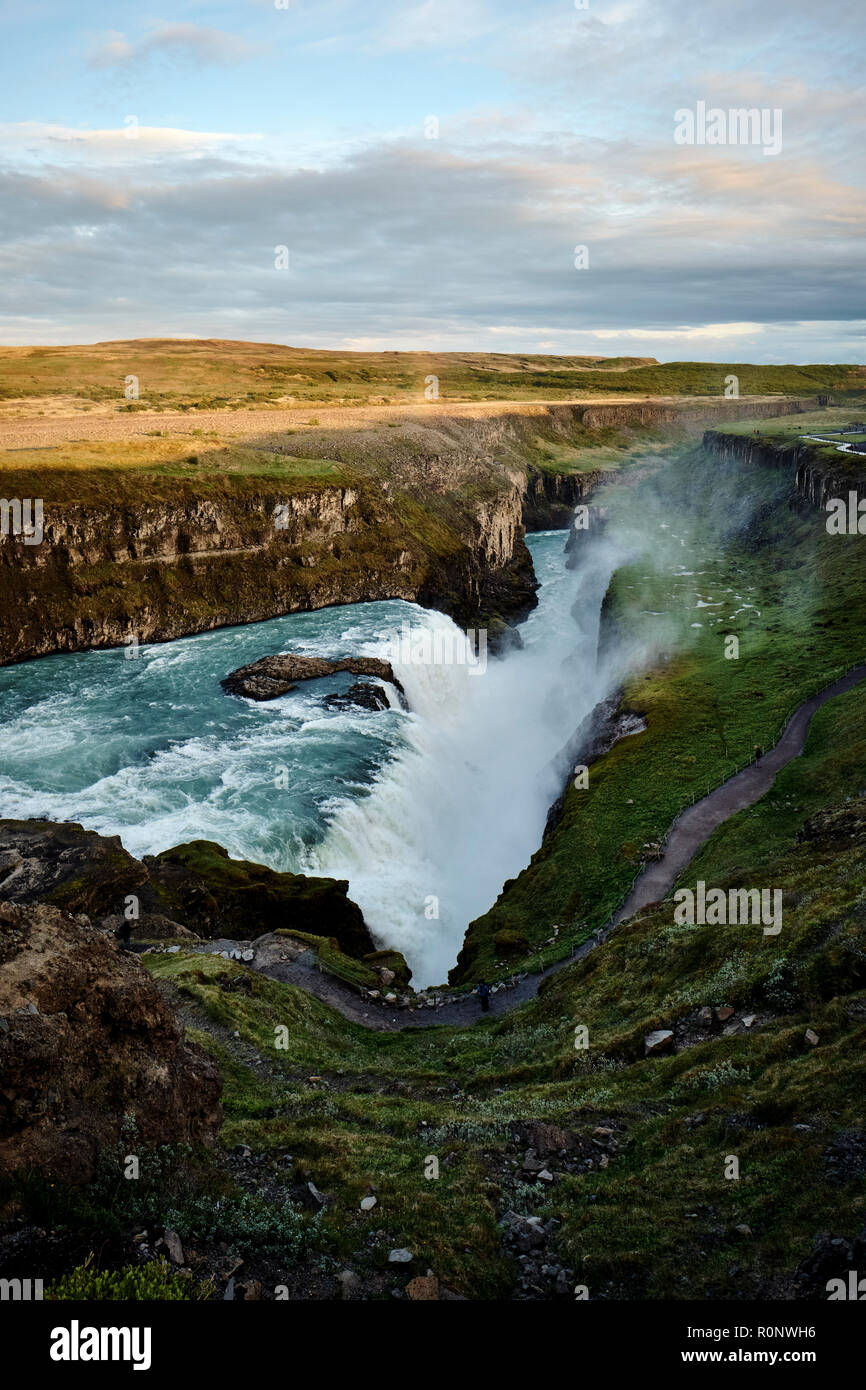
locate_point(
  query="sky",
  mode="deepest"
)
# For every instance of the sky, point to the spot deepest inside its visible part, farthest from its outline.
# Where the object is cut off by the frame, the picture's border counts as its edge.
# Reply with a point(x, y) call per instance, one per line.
point(431, 170)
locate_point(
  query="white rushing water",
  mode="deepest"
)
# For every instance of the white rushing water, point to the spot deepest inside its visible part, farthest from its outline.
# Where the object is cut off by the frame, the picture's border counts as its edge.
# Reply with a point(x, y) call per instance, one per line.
point(425, 812)
point(462, 806)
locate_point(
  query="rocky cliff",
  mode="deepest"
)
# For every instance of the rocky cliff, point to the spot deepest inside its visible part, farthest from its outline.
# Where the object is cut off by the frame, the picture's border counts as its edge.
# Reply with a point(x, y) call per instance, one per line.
point(817, 472)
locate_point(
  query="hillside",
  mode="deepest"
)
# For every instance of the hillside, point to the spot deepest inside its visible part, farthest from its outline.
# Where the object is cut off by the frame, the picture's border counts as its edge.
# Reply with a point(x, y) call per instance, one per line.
point(220, 375)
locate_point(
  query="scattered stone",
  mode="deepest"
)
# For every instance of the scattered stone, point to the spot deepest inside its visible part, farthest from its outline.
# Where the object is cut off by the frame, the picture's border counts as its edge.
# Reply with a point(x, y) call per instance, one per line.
point(662, 1040)
point(811, 1037)
point(546, 1176)
point(423, 1289)
point(171, 1241)
point(400, 1257)
point(250, 1290)
point(705, 1017)
point(749, 1020)
point(743, 1230)
point(349, 1283)
point(368, 1203)
point(724, 1014)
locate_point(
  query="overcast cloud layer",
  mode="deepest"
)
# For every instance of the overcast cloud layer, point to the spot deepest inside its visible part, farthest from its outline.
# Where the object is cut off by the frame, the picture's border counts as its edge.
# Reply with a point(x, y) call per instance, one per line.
point(152, 164)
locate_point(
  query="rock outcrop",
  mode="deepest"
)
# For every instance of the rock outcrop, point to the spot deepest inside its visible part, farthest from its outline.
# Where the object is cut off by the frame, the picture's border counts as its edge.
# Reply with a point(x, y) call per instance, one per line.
point(89, 1052)
point(201, 886)
point(273, 676)
point(196, 886)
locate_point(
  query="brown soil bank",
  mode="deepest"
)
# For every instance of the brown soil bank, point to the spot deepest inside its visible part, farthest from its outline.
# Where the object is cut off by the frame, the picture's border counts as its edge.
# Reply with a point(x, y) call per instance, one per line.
point(431, 510)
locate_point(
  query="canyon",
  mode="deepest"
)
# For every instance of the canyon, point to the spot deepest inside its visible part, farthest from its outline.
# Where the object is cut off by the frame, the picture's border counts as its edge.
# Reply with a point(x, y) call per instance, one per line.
point(434, 513)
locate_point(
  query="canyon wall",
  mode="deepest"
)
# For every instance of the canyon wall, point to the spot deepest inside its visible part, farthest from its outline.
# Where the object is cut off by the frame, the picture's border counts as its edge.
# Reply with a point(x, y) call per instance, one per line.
point(434, 513)
point(817, 472)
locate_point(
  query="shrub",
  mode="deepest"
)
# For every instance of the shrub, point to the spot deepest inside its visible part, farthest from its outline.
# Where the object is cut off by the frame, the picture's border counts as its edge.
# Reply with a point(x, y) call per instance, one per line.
point(143, 1283)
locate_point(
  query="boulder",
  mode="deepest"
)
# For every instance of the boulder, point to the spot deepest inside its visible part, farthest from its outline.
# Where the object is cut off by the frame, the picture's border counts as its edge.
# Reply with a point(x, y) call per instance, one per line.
point(361, 695)
point(662, 1040)
point(66, 865)
point(99, 1050)
point(174, 1249)
point(390, 962)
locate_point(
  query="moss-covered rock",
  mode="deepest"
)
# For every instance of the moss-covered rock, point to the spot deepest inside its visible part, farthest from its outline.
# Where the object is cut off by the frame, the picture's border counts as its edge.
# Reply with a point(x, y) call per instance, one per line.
point(199, 885)
point(391, 960)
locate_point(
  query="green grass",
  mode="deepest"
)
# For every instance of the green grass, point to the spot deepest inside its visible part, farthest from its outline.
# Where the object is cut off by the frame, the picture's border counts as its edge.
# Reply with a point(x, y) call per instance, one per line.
point(705, 714)
point(154, 1281)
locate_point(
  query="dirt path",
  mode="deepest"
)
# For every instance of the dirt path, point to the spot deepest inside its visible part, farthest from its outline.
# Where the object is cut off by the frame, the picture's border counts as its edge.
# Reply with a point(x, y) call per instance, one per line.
point(696, 824)
point(688, 832)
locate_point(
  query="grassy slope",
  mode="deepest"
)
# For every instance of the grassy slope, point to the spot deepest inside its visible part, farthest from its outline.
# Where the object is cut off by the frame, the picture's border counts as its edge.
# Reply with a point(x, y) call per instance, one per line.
point(661, 1219)
point(704, 714)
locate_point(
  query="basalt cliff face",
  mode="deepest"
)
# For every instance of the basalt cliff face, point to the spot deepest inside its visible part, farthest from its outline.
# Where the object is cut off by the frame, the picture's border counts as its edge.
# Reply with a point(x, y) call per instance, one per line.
point(817, 472)
point(105, 575)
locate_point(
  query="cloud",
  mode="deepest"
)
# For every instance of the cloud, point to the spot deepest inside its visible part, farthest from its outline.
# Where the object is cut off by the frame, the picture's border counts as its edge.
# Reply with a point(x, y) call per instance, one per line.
point(556, 130)
point(404, 244)
point(193, 42)
point(41, 137)
point(670, 335)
